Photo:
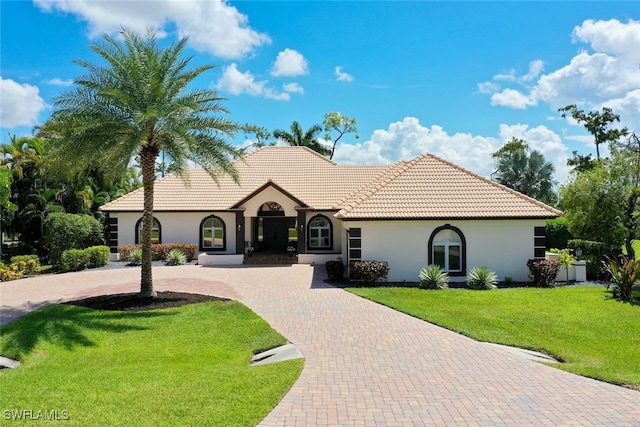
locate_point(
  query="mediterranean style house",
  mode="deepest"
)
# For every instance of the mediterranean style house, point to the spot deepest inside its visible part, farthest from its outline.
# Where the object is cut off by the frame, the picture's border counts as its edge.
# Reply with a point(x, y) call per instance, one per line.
point(410, 214)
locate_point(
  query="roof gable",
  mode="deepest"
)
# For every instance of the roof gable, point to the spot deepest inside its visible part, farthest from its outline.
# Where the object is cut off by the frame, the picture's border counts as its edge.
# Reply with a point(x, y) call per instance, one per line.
point(430, 187)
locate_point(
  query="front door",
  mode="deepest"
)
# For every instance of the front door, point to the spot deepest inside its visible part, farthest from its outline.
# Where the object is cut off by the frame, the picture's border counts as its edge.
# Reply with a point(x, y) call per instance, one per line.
point(276, 233)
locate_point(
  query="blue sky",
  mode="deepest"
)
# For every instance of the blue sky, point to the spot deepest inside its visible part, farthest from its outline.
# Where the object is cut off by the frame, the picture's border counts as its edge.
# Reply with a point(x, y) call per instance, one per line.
point(457, 79)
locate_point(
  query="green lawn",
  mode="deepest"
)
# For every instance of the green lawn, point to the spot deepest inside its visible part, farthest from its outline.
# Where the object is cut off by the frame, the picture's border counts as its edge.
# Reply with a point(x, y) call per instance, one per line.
point(182, 366)
point(595, 335)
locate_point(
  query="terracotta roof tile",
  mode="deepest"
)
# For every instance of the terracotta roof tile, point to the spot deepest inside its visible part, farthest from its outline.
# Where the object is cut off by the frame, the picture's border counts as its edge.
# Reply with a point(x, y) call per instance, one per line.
point(430, 187)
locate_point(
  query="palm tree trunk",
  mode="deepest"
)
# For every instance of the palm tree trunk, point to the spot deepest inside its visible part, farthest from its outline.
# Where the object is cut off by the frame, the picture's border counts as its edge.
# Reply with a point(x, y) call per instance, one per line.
point(148, 161)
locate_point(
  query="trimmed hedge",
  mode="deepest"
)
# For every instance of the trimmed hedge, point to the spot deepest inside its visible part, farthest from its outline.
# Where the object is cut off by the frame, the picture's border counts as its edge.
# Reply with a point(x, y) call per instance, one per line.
point(160, 251)
point(594, 253)
point(543, 272)
point(70, 231)
point(81, 259)
point(369, 271)
point(557, 233)
point(335, 270)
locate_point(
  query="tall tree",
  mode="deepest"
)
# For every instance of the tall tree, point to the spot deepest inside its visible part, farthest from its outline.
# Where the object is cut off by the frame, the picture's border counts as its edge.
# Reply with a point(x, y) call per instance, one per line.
point(524, 171)
point(341, 125)
point(135, 105)
point(298, 138)
point(597, 124)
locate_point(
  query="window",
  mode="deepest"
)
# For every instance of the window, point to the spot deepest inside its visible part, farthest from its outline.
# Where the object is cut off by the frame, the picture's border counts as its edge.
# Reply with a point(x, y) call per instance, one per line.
point(212, 234)
point(155, 232)
point(447, 249)
point(320, 233)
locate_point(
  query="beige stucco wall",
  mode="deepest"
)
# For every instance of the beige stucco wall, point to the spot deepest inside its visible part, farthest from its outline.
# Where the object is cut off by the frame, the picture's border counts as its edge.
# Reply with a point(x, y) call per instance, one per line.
point(176, 227)
point(502, 245)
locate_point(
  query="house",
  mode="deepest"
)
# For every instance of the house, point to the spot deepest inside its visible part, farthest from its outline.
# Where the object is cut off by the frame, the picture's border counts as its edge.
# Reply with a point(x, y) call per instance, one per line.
point(411, 214)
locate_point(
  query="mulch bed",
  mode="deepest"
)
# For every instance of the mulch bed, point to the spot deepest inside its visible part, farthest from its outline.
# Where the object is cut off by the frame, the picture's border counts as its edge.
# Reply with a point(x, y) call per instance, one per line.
point(135, 302)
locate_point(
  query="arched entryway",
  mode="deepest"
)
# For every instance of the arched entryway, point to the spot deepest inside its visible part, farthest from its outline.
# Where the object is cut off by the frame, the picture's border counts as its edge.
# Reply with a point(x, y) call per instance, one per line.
point(273, 230)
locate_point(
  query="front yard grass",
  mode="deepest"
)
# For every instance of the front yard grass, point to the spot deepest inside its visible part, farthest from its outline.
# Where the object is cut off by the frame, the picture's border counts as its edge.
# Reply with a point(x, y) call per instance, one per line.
point(178, 366)
point(595, 335)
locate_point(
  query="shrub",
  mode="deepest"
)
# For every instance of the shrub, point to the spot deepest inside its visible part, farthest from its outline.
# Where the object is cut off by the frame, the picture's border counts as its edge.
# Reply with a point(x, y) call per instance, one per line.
point(159, 252)
point(594, 253)
point(624, 272)
point(557, 233)
point(369, 271)
point(98, 256)
point(335, 270)
point(433, 277)
point(176, 257)
point(70, 231)
point(31, 263)
point(482, 278)
point(74, 260)
point(508, 280)
point(12, 272)
point(543, 272)
point(135, 256)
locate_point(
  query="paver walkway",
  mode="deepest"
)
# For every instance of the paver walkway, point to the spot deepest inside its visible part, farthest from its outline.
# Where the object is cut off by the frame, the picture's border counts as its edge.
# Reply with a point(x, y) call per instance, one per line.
point(366, 364)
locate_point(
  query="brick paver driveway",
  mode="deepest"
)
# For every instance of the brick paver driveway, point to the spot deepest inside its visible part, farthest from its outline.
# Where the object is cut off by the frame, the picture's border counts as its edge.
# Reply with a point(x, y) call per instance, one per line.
point(366, 364)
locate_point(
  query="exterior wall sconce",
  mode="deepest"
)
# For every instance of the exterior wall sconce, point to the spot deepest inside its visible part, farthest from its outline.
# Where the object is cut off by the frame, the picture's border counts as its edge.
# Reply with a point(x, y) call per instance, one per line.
point(239, 227)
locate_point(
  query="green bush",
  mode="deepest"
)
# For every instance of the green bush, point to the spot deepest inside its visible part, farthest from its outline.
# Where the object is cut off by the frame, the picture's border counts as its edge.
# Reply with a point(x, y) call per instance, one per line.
point(81, 259)
point(624, 272)
point(159, 252)
point(335, 270)
point(70, 231)
point(543, 272)
point(74, 260)
point(176, 257)
point(31, 263)
point(557, 233)
point(433, 277)
point(482, 278)
point(369, 271)
point(593, 253)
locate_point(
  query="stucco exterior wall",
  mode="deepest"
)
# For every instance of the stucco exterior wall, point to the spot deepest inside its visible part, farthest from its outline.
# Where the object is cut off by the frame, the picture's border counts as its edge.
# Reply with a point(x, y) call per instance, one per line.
point(176, 227)
point(502, 245)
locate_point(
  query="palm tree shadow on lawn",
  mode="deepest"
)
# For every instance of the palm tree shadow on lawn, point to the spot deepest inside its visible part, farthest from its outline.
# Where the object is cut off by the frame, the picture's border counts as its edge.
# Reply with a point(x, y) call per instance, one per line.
point(63, 324)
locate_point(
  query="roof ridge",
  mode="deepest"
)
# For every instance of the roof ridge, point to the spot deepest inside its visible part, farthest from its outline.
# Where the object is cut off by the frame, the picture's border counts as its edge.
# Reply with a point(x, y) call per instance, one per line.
point(379, 182)
point(494, 183)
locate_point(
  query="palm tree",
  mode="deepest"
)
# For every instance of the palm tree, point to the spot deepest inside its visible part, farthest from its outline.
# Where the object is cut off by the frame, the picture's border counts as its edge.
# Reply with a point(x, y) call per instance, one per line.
point(135, 106)
point(297, 138)
point(527, 173)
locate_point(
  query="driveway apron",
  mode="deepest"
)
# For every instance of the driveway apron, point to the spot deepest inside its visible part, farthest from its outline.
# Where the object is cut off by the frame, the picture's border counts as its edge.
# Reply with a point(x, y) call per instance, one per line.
point(366, 364)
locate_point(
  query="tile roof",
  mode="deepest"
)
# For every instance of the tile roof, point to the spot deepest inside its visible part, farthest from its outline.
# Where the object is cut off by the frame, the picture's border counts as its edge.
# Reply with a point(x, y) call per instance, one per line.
point(310, 177)
point(430, 187)
point(426, 187)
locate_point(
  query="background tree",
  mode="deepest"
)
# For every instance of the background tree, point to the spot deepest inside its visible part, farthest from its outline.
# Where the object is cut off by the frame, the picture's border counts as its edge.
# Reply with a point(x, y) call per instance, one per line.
point(524, 171)
point(136, 105)
point(336, 122)
point(298, 138)
point(260, 134)
point(580, 163)
point(597, 124)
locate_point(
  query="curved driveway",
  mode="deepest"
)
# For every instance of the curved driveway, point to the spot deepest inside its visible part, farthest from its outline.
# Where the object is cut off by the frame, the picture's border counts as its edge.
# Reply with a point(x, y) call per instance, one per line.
point(366, 364)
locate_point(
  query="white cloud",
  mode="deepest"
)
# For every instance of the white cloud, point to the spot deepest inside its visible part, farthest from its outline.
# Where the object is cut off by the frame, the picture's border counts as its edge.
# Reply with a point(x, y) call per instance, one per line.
point(59, 82)
point(293, 88)
point(290, 63)
point(606, 73)
point(407, 139)
point(212, 26)
point(341, 76)
point(20, 104)
point(512, 98)
point(237, 82)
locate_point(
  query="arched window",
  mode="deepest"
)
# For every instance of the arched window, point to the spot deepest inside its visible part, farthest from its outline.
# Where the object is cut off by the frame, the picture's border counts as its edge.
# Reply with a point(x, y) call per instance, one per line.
point(320, 233)
point(447, 248)
point(212, 234)
point(156, 235)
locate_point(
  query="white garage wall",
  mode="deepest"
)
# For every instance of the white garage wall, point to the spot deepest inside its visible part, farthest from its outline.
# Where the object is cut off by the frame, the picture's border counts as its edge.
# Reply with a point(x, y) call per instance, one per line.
point(176, 227)
point(502, 245)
